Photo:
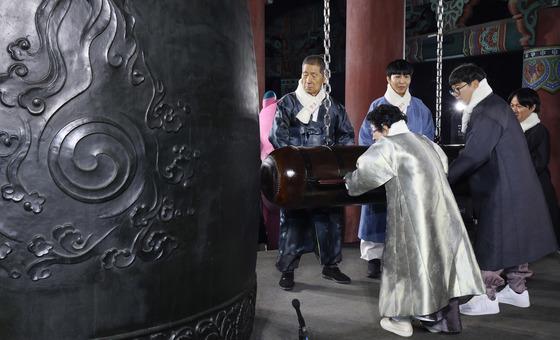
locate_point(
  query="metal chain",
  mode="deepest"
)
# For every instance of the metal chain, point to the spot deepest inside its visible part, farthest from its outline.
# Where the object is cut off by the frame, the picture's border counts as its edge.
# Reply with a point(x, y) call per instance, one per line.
point(439, 58)
point(327, 58)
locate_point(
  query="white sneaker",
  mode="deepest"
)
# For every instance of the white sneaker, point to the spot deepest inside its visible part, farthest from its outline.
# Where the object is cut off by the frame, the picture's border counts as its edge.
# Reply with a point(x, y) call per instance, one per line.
point(401, 327)
point(509, 296)
point(480, 305)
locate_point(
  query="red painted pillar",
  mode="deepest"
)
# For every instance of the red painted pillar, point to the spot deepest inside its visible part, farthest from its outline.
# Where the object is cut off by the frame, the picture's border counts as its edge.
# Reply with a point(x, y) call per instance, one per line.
point(374, 37)
point(256, 11)
point(548, 34)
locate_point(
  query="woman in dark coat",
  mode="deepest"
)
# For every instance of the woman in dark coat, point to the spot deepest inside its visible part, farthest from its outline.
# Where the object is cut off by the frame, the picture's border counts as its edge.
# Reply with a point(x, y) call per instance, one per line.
point(526, 103)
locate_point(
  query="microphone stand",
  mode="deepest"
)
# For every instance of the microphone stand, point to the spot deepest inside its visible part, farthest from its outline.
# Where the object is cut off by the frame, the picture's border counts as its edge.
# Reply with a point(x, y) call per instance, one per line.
point(302, 329)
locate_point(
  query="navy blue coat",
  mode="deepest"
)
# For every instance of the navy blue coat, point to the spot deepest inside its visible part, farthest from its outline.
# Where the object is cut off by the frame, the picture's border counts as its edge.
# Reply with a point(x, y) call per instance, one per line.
point(514, 225)
point(308, 230)
point(288, 130)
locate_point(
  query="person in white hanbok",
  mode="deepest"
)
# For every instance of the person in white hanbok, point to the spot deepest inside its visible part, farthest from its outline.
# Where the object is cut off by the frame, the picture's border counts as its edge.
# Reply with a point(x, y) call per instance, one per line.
point(428, 259)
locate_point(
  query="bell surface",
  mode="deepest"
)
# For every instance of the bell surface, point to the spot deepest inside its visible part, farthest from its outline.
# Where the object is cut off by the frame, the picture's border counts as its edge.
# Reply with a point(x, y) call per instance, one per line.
point(128, 170)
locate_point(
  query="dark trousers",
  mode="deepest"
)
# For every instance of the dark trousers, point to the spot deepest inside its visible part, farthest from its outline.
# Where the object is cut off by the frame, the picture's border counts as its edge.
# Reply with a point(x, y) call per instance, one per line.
point(309, 230)
point(516, 278)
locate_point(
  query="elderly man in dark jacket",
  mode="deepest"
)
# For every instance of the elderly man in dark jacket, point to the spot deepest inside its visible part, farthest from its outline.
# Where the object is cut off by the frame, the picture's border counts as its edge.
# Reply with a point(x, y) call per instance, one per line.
point(300, 121)
point(514, 226)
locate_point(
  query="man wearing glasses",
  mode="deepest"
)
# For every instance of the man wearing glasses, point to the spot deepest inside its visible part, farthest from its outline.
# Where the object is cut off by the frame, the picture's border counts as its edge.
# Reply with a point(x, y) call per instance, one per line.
point(513, 224)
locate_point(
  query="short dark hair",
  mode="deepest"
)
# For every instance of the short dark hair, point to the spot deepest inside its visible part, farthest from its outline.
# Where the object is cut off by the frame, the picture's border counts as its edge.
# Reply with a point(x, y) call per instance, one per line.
point(315, 59)
point(385, 114)
point(399, 66)
point(526, 97)
point(466, 73)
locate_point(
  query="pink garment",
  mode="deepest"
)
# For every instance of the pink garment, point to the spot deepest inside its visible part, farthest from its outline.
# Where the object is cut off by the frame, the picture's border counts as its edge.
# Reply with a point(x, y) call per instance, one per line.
point(271, 214)
point(266, 117)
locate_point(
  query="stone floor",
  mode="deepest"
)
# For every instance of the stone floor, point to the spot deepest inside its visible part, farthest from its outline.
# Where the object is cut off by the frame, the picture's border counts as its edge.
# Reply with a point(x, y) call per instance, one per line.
point(334, 311)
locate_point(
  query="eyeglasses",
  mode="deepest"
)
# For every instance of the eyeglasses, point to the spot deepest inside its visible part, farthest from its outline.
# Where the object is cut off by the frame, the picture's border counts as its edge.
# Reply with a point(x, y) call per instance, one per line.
point(457, 90)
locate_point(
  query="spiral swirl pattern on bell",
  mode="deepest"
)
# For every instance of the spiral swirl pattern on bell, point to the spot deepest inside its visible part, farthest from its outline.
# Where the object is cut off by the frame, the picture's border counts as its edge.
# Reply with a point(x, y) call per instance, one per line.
point(94, 160)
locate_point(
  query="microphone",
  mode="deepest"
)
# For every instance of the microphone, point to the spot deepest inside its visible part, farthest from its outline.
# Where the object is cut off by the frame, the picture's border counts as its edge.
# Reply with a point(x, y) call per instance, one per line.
point(302, 329)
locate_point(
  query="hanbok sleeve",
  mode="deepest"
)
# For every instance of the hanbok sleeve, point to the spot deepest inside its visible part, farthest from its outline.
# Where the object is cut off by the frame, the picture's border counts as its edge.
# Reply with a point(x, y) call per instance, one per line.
point(365, 136)
point(539, 147)
point(480, 141)
point(279, 135)
point(345, 132)
point(373, 169)
point(442, 156)
point(428, 128)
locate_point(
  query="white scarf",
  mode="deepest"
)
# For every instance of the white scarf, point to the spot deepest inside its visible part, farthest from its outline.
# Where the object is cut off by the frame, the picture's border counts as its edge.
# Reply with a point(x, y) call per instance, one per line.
point(396, 100)
point(310, 103)
point(482, 91)
point(530, 121)
point(398, 128)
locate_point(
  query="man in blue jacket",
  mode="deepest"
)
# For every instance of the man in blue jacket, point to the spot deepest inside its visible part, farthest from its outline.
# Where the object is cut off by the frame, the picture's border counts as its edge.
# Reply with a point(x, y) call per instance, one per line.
point(300, 121)
point(419, 120)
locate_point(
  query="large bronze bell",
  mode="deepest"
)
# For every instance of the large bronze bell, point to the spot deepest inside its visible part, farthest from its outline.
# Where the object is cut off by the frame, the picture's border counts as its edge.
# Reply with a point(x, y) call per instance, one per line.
point(128, 170)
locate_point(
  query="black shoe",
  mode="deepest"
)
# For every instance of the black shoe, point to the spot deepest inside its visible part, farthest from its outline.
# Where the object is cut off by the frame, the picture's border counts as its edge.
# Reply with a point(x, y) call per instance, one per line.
point(374, 269)
point(333, 273)
point(287, 281)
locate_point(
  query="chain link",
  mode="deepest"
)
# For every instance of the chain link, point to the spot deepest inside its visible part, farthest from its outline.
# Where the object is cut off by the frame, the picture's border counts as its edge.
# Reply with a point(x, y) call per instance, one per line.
point(439, 59)
point(327, 58)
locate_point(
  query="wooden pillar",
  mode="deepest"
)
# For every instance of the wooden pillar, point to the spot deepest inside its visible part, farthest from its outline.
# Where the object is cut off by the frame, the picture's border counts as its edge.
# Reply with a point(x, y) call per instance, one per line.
point(374, 37)
point(548, 35)
point(256, 11)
